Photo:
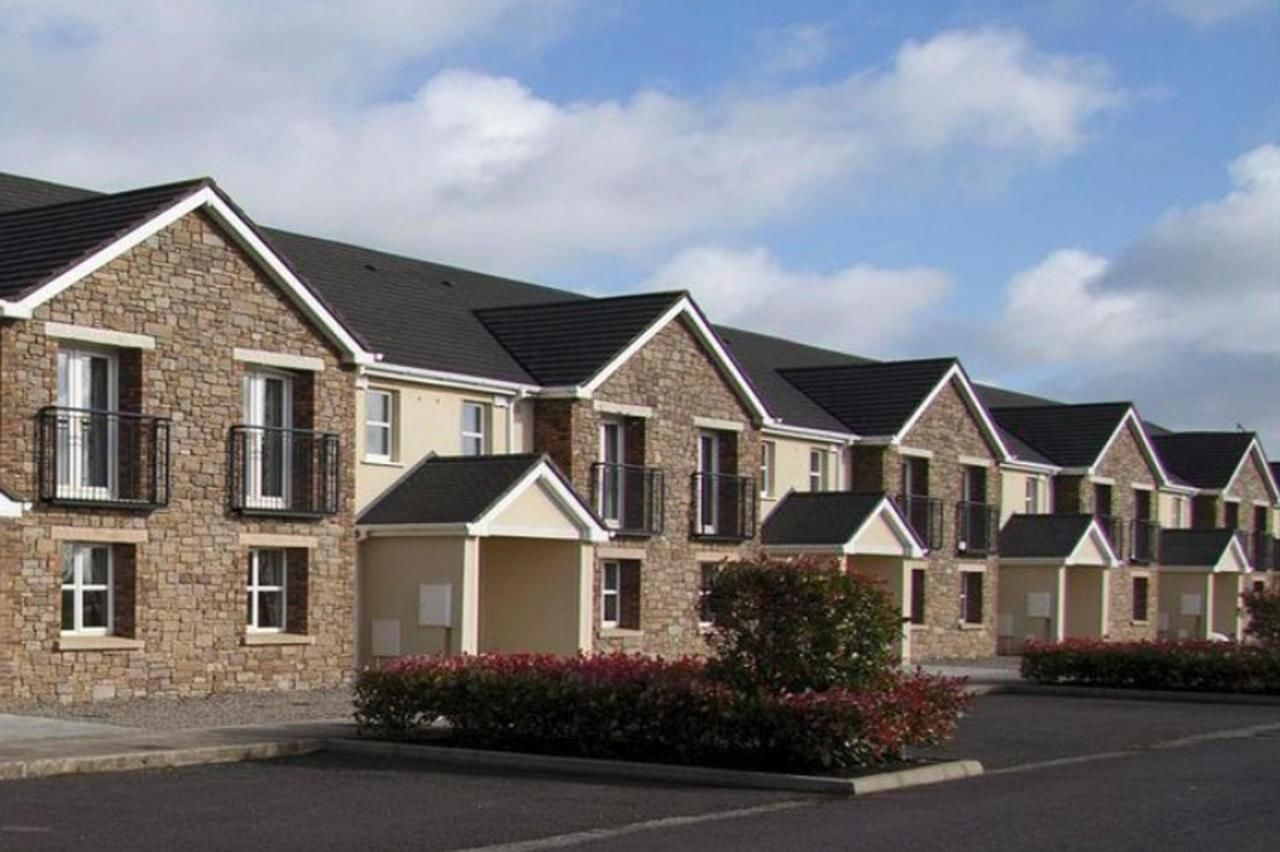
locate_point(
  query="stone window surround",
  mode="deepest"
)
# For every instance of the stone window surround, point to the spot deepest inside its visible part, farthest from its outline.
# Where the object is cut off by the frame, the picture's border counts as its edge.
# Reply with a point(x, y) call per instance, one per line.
point(960, 622)
point(278, 360)
point(283, 541)
point(98, 336)
point(71, 642)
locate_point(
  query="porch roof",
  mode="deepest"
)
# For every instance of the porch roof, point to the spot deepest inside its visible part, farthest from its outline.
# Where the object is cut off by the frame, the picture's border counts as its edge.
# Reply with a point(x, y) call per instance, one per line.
point(839, 521)
point(1069, 539)
point(1205, 549)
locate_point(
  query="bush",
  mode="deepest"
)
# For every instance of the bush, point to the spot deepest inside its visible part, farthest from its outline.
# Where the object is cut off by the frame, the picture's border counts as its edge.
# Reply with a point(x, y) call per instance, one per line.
point(1263, 608)
point(799, 625)
point(1193, 666)
point(631, 707)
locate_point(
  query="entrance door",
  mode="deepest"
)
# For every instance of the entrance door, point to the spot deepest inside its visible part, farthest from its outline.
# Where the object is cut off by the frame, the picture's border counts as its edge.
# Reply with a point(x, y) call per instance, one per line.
point(268, 411)
point(87, 431)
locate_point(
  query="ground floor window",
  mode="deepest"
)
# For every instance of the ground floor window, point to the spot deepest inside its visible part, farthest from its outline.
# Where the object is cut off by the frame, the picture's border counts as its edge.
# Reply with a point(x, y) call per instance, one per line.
point(971, 597)
point(88, 594)
point(917, 595)
point(706, 579)
point(1141, 589)
point(268, 569)
point(620, 593)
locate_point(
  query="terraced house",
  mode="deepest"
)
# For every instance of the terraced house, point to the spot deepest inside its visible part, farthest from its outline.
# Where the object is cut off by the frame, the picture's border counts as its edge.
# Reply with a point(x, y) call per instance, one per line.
point(176, 408)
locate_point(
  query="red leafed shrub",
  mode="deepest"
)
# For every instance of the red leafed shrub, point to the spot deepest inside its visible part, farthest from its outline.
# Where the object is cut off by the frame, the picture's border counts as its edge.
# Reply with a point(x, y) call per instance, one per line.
point(631, 707)
point(1194, 666)
point(1263, 608)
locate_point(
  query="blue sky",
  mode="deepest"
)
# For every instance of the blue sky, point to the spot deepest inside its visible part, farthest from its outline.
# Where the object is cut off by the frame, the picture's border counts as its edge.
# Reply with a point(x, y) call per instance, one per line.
point(1078, 197)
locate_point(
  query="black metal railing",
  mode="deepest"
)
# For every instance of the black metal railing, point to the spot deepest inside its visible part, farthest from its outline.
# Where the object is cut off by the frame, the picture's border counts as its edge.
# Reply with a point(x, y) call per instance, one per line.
point(1245, 542)
point(724, 506)
point(1113, 528)
point(629, 498)
point(87, 457)
point(1274, 564)
point(1262, 551)
point(1144, 537)
point(925, 516)
point(977, 528)
point(283, 471)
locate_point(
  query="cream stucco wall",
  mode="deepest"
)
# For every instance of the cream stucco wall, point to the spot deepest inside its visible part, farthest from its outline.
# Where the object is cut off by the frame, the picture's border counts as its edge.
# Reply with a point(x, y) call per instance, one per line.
point(1227, 614)
point(791, 469)
point(1173, 624)
point(535, 509)
point(1085, 602)
point(894, 577)
point(1013, 493)
point(391, 571)
point(1016, 583)
point(529, 595)
point(428, 418)
point(1166, 502)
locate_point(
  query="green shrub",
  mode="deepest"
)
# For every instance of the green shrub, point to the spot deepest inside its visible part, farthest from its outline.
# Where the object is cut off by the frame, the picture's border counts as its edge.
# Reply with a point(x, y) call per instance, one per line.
point(1263, 608)
point(799, 625)
point(1193, 666)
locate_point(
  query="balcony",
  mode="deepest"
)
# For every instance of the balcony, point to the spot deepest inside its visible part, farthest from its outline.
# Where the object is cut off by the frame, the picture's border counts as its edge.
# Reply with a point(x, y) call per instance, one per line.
point(276, 471)
point(724, 507)
point(630, 499)
point(925, 516)
point(111, 459)
point(1113, 527)
point(1145, 537)
point(977, 528)
point(1262, 551)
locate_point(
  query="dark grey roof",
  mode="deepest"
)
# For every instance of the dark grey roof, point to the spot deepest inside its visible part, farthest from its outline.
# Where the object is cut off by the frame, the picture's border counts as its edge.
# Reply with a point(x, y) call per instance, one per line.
point(19, 193)
point(1275, 471)
point(39, 243)
point(1019, 449)
point(871, 399)
point(762, 357)
point(568, 342)
point(1203, 459)
point(1194, 547)
point(821, 517)
point(1042, 536)
point(1067, 435)
point(995, 397)
point(450, 490)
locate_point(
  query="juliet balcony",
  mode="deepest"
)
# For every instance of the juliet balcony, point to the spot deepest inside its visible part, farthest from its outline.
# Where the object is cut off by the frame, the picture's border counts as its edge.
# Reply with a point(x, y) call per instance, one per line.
point(275, 471)
point(110, 459)
point(630, 499)
point(723, 507)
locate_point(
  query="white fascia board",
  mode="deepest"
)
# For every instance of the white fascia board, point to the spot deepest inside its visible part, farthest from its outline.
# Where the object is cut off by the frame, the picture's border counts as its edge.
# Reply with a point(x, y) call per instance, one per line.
point(541, 473)
point(975, 403)
point(782, 430)
point(455, 381)
point(684, 306)
point(1030, 467)
point(565, 392)
point(1148, 450)
point(411, 530)
point(12, 508)
point(796, 549)
point(1181, 490)
point(885, 507)
point(10, 310)
point(1095, 534)
point(242, 233)
point(1255, 448)
point(1234, 547)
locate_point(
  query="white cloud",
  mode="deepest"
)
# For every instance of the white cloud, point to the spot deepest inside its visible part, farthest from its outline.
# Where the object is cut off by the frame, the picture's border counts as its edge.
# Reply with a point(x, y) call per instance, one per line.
point(290, 111)
point(1206, 13)
point(1185, 320)
point(863, 309)
point(795, 47)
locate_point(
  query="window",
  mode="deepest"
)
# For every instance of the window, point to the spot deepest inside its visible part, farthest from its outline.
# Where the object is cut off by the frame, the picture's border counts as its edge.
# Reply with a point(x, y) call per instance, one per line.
point(88, 390)
point(818, 470)
point(620, 594)
point(1141, 586)
point(768, 452)
point(87, 596)
point(268, 412)
point(610, 593)
point(612, 456)
point(709, 482)
point(971, 597)
point(475, 428)
point(1031, 503)
point(1179, 512)
point(1231, 515)
point(917, 595)
point(379, 430)
point(267, 575)
point(974, 484)
point(915, 476)
point(706, 579)
point(1101, 499)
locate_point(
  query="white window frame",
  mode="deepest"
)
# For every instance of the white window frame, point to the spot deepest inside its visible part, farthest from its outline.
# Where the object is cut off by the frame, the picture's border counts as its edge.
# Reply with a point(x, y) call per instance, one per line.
point(1031, 496)
point(768, 461)
point(704, 591)
point(610, 591)
point(387, 426)
point(709, 522)
point(964, 598)
point(613, 451)
point(74, 389)
point(81, 556)
point(819, 469)
point(470, 435)
point(255, 588)
point(255, 395)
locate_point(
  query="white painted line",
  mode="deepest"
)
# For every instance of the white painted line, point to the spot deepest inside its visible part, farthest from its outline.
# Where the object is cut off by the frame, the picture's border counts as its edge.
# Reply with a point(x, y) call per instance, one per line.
point(577, 838)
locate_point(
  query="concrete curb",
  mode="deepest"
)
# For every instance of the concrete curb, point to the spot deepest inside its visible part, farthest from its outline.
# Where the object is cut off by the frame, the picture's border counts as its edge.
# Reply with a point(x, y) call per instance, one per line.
point(622, 770)
point(1187, 697)
point(126, 761)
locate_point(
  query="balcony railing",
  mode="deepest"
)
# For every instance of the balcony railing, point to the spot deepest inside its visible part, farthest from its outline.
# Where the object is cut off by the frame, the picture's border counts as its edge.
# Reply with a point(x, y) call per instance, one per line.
point(629, 498)
point(1274, 564)
point(724, 506)
point(1113, 527)
point(925, 516)
point(102, 458)
point(283, 471)
point(1144, 536)
point(977, 528)
point(1262, 553)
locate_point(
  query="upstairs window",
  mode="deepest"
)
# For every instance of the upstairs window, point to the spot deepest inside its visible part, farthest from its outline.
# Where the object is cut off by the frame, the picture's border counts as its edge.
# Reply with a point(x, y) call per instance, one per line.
point(475, 428)
point(1101, 499)
point(88, 393)
point(1179, 513)
point(1231, 515)
point(915, 476)
point(1031, 502)
point(768, 453)
point(819, 470)
point(379, 425)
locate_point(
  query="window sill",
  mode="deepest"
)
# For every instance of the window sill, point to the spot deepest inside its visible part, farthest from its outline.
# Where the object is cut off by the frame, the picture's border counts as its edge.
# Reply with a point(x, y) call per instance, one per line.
point(916, 627)
point(1139, 623)
point(278, 639)
point(620, 633)
point(966, 625)
point(382, 462)
point(98, 643)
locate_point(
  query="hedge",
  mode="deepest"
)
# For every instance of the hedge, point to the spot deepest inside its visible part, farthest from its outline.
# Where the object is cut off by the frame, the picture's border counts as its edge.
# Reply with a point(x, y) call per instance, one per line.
point(636, 708)
point(1193, 666)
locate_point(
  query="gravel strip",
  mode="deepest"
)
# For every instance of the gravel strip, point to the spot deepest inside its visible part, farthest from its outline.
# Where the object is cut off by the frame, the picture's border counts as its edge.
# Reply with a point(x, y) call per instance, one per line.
point(162, 713)
point(995, 663)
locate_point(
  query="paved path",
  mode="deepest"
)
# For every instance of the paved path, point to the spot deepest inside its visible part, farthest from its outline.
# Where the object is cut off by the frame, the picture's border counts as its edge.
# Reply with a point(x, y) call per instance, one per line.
point(34, 727)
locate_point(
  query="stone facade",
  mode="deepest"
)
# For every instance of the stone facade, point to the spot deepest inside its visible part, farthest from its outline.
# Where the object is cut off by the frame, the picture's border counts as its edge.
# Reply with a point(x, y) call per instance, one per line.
point(183, 568)
point(675, 377)
point(950, 430)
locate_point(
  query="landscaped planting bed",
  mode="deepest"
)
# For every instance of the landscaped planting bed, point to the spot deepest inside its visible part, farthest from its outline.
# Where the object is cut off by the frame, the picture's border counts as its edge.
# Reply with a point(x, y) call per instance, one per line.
point(1191, 666)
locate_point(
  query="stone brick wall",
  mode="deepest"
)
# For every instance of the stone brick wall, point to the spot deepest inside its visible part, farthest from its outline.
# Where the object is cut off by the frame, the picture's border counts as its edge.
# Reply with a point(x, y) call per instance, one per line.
point(1249, 488)
point(678, 380)
point(948, 429)
point(199, 296)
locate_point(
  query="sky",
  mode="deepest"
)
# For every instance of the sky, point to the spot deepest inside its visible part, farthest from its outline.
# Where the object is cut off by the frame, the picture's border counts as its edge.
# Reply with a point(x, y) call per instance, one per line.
point(1079, 198)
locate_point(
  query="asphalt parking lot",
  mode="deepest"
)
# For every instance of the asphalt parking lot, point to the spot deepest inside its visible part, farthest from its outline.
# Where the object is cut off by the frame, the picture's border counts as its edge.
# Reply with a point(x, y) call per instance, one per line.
point(1127, 775)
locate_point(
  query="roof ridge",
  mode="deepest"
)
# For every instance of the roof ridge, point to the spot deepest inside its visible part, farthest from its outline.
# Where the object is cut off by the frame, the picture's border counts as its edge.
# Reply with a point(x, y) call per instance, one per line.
point(1059, 406)
point(584, 300)
point(110, 196)
point(951, 359)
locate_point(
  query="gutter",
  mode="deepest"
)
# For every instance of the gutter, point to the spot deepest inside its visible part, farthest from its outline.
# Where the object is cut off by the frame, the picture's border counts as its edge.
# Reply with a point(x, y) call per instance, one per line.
point(13, 310)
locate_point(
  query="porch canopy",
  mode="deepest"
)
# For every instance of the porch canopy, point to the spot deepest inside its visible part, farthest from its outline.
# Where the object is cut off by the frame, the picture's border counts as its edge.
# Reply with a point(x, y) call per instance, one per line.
point(1056, 540)
point(477, 553)
point(840, 523)
point(1202, 577)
